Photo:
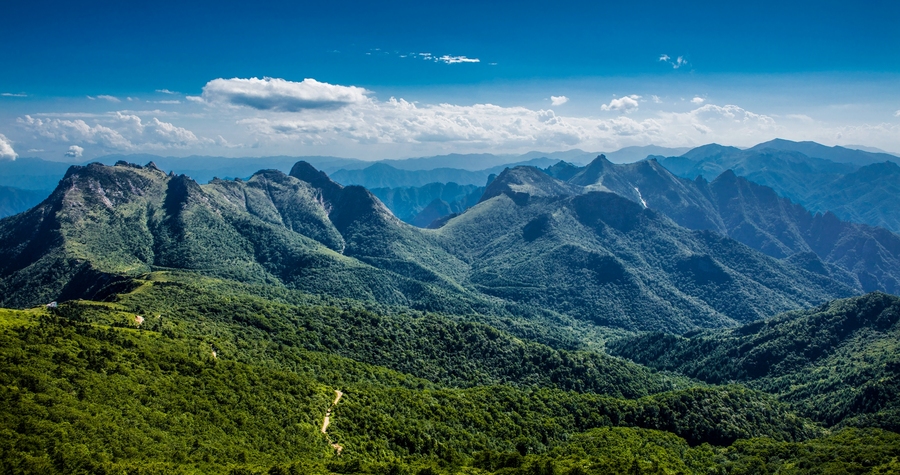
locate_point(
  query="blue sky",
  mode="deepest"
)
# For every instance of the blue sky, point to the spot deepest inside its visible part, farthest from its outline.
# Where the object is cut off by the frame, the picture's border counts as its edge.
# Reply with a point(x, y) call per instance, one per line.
point(117, 77)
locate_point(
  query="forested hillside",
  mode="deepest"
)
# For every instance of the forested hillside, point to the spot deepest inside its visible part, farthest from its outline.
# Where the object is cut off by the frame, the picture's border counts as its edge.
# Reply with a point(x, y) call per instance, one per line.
point(838, 363)
point(98, 387)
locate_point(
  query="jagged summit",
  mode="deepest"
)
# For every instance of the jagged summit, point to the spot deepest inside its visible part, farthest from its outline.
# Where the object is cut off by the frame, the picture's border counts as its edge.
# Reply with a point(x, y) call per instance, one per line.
point(318, 179)
point(521, 183)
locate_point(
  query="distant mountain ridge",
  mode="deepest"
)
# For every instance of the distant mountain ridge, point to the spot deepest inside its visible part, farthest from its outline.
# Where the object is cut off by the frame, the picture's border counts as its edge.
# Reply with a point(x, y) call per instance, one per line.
point(15, 200)
point(865, 194)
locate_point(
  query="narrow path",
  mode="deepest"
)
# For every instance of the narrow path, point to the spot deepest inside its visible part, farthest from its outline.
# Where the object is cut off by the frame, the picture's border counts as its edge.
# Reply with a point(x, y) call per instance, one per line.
point(327, 420)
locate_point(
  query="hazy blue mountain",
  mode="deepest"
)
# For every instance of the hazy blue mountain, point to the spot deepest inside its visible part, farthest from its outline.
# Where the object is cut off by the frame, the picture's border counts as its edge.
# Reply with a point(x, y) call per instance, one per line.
point(407, 203)
point(870, 195)
point(381, 175)
point(634, 154)
point(31, 173)
point(865, 194)
point(835, 154)
point(16, 200)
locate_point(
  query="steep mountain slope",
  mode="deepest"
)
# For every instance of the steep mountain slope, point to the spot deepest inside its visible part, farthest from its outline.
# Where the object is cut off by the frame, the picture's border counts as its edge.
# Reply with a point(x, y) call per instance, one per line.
point(104, 222)
point(606, 259)
point(864, 257)
point(534, 247)
point(838, 363)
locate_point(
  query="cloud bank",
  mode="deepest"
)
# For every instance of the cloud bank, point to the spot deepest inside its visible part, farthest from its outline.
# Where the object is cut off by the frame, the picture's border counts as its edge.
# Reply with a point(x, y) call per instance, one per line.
point(119, 131)
point(6, 149)
point(279, 95)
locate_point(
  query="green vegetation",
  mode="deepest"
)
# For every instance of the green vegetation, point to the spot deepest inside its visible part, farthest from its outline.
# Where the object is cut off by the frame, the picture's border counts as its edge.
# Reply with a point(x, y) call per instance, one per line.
point(524, 253)
point(838, 363)
point(85, 389)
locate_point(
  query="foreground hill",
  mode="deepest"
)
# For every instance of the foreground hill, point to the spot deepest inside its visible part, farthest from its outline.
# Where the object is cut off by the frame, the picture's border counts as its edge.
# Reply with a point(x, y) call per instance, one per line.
point(99, 387)
point(838, 363)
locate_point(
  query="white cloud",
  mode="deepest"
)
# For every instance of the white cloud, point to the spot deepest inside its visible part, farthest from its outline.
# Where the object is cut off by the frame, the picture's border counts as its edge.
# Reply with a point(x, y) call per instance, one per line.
point(194, 98)
point(456, 59)
point(280, 95)
point(119, 131)
point(105, 98)
point(698, 100)
point(165, 91)
point(6, 149)
point(166, 102)
point(897, 114)
point(676, 63)
point(13, 94)
point(75, 151)
point(558, 100)
point(656, 99)
point(625, 104)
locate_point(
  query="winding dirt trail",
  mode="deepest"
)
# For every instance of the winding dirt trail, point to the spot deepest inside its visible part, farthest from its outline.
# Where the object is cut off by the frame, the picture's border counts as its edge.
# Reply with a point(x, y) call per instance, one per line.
point(327, 421)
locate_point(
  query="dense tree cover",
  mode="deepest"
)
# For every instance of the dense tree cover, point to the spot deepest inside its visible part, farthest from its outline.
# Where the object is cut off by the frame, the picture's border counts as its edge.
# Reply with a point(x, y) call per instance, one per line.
point(85, 397)
point(838, 363)
point(430, 346)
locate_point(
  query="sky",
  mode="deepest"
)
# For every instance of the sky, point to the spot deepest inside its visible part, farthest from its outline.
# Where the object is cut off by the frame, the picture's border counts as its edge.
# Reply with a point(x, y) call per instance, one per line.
point(376, 80)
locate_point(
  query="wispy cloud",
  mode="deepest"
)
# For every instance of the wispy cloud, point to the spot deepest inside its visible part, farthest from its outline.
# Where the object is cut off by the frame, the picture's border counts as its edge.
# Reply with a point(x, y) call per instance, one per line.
point(165, 91)
point(105, 98)
point(676, 63)
point(625, 104)
point(13, 94)
point(656, 99)
point(75, 151)
point(897, 114)
point(6, 149)
point(558, 100)
point(447, 59)
point(698, 100)
point(166, 102)
point(280, 95)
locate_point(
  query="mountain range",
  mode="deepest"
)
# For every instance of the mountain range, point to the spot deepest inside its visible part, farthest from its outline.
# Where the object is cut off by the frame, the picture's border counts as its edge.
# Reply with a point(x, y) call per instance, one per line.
point(531, 241)
point(856, 186)
point(604, 318)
